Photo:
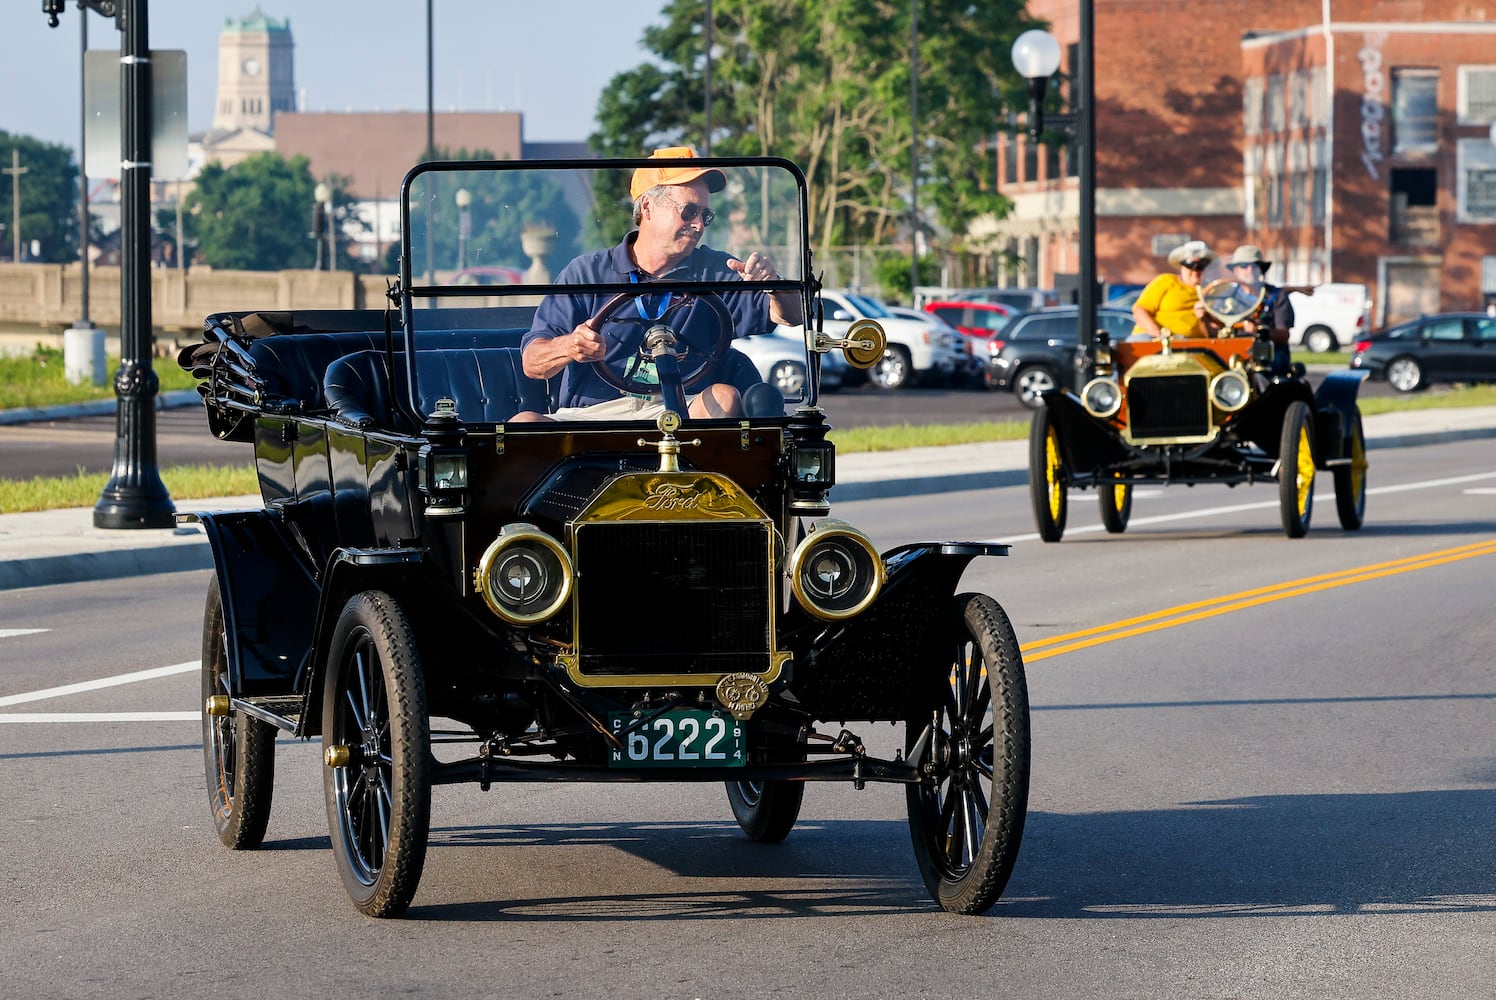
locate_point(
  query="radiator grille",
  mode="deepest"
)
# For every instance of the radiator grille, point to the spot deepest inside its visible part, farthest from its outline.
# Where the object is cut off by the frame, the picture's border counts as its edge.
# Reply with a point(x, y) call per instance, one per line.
point(1168, 406)
point(673, 598)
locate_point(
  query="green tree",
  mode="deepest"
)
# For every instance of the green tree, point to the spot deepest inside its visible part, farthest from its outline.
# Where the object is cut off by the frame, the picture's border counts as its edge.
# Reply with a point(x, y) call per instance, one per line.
point(255, 215)
point(827, 85)
point(49, 198)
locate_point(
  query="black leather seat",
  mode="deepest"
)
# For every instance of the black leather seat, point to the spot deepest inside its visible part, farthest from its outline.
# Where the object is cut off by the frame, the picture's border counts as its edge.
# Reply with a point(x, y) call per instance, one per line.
point(488, 385)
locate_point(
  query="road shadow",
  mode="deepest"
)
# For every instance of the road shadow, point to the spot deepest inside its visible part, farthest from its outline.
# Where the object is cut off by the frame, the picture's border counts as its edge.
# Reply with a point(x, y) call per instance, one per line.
point(1272, 856)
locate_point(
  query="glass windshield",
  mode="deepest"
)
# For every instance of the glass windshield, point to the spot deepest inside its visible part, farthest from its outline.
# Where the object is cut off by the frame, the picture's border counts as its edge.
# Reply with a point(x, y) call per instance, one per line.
point(869, 307)
point(494, 225)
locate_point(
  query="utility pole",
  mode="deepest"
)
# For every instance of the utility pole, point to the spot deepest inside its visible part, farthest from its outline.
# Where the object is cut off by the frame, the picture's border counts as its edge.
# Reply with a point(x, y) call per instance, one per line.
point(15, 170)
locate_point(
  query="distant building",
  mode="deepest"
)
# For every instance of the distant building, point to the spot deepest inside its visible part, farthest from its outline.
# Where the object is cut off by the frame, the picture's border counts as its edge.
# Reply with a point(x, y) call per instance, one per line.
point(1351, 142)
point(256, 85)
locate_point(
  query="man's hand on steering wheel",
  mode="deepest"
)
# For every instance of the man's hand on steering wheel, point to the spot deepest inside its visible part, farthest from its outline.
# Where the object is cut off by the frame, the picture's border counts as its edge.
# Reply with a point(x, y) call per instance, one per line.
point(702, 364)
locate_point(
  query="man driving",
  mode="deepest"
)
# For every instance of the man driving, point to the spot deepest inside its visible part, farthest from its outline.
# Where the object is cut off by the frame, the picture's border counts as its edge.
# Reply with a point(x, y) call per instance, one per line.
point(671, 212)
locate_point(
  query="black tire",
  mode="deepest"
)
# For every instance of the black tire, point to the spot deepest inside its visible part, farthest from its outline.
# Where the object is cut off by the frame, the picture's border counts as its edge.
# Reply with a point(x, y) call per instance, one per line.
point(1350, 480)
point(1116, 506)
point(788, 377)
point(1296, 470)
point(967, 823)
point(1048, 482)
point(379, 803)
point(766, 810)
point(892, 371)
point(238, 749)
point(1031, 382)
point(1405, 374)
point(1320, 339)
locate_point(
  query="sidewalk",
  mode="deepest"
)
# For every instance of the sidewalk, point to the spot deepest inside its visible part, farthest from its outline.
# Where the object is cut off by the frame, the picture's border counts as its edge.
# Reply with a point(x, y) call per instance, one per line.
point(62, 546)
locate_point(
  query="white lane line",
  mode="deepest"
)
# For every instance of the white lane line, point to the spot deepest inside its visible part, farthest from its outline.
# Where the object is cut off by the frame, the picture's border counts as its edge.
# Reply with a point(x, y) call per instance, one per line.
point(103, 682)
point(99, 717)
point(1237, 508)
point(11, 633)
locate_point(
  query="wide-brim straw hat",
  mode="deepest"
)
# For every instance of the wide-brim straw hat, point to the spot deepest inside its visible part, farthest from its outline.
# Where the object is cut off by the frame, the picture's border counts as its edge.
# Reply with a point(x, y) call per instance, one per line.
point(1193, 250)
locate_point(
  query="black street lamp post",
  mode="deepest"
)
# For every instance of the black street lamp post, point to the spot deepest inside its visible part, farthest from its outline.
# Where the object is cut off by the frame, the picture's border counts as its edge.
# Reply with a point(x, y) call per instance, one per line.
point(1036, 56)
point(134, 497)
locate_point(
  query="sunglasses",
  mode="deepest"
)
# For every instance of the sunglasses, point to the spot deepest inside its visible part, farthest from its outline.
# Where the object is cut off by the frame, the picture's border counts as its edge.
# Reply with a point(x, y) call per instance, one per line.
point(1196, 265)
point(689, 211)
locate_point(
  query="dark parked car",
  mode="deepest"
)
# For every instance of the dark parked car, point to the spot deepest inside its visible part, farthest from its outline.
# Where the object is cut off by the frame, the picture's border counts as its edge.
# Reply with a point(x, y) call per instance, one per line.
point(1037, 351)
point(1445, 347)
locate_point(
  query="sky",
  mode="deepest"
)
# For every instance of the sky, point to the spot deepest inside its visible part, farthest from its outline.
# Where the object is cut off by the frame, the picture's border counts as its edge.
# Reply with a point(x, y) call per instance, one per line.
point(548, 59)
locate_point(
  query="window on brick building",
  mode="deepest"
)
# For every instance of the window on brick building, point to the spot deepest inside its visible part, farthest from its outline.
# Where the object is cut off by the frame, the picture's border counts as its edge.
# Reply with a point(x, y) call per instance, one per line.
point(1477, 95)
point(1415, 206)
point(1272, 184)
point(1475, 163)
point(1052, 161)
point(1030, 159)
point(1298, 99)
point(1298, 183)
point(1415, 110)
point(1010, 151)
point(1251, 105)
point(1275, 103)
point(1161, 244)
point(1320, 182)
point(1319, 97)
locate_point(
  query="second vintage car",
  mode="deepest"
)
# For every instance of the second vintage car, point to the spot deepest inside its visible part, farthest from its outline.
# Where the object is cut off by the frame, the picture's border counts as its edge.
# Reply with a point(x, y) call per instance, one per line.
point(1195, 410)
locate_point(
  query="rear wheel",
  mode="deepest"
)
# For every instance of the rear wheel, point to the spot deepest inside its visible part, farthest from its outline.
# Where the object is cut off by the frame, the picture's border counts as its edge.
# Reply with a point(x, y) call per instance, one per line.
point(1405, 374)
point(376, 755)
point(238, 749)
point(1047, 478)
point(788, 377)
point(1116, 506)
point(766, 810)
point(893, 370)
point(966, 821)
point(1296, 471)
point(1350, 480)
point(1320, 339)
point(1031, 383)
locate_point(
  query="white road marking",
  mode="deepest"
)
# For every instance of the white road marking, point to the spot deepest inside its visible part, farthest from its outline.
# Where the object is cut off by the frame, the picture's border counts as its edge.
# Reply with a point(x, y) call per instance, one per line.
point(10, 633)
point(99, 717)
point(103, 682)
point(1236, 508)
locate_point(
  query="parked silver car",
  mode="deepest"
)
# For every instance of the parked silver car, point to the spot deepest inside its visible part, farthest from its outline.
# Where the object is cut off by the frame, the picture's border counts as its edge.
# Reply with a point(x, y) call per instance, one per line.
point(779, 357)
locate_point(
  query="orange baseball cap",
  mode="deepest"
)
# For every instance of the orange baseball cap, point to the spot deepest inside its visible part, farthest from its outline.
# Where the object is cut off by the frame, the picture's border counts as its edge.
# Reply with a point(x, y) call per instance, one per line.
point(647, 177)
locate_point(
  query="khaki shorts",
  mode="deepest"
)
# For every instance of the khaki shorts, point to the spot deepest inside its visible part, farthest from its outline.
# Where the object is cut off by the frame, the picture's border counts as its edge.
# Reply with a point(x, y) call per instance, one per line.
point(622, 408)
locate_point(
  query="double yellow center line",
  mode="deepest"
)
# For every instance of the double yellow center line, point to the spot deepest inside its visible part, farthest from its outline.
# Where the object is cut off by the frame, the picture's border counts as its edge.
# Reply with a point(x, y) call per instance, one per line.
point(1185, 613)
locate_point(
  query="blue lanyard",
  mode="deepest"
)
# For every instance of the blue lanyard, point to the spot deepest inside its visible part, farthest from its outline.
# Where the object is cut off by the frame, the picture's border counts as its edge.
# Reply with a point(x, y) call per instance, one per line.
point(639, 302)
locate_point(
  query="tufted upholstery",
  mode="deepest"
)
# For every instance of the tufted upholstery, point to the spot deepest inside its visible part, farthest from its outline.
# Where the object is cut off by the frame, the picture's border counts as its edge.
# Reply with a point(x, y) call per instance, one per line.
point(487, 384)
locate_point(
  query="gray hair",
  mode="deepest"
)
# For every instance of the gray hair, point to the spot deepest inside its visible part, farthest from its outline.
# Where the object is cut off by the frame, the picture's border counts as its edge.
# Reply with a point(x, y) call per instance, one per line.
point(653, 192)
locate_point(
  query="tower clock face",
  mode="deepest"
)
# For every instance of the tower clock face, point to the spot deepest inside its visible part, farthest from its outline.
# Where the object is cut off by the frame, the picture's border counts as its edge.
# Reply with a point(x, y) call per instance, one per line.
point(251, 67)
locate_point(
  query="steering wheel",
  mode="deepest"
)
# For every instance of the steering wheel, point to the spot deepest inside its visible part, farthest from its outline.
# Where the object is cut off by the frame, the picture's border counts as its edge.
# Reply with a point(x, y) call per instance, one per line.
point(1228, 301)
point(667, 347)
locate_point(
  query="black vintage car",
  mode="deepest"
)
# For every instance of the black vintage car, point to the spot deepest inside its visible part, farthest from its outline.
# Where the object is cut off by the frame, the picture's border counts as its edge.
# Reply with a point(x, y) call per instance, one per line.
point(1218, 409)
point(444, 594)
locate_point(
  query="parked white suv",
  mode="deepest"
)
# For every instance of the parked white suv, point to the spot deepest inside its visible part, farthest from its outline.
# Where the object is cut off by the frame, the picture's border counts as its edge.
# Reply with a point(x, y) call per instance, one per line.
point(1333, 317)
point(917, 349)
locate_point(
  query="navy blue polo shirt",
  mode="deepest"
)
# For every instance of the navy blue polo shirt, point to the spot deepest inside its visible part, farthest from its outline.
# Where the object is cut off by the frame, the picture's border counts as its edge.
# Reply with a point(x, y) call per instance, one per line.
point(559, 313)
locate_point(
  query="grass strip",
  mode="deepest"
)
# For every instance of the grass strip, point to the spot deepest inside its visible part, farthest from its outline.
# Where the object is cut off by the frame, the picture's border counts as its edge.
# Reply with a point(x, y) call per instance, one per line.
point(82, 489)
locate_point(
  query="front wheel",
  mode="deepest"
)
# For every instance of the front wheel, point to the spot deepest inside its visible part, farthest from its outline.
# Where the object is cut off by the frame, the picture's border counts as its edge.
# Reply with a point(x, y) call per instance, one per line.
point(1116, 506)
point(1405, 374)
point(966, 820)
point(376, 776)
point(1296, 471)
point(1047, 478)
point(238, 749)
point(1350, 480)
point(766, 810)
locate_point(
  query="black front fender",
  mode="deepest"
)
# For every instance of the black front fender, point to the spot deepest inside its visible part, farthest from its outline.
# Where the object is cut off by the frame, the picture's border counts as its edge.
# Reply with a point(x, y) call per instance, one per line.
point(892, 660)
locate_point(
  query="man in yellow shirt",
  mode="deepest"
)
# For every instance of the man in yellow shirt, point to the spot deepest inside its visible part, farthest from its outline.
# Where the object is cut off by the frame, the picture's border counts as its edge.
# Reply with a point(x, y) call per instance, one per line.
point(1172, 301)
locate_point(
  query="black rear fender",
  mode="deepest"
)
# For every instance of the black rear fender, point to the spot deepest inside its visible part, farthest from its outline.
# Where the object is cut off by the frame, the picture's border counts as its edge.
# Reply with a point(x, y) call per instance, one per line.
point(270, 599)
point(1335, 414)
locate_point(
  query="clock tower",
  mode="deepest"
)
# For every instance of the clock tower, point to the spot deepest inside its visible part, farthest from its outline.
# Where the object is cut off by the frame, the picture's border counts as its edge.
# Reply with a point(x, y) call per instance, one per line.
point(255, 79)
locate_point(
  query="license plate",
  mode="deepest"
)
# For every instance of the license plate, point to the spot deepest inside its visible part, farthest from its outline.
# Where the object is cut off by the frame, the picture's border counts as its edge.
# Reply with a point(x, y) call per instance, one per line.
point(686, 738)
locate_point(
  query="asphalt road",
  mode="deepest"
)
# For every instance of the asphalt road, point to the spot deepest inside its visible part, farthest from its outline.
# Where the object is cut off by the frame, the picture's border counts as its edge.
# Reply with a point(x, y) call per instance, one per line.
point(1268, 775)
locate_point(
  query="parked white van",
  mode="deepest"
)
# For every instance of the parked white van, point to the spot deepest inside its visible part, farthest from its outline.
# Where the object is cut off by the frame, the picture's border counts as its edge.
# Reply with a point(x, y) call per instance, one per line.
point(1333, 317)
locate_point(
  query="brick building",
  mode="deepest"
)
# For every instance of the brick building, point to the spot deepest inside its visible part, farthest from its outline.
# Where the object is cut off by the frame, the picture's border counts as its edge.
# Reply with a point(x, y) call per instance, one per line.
point(1350, 139)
